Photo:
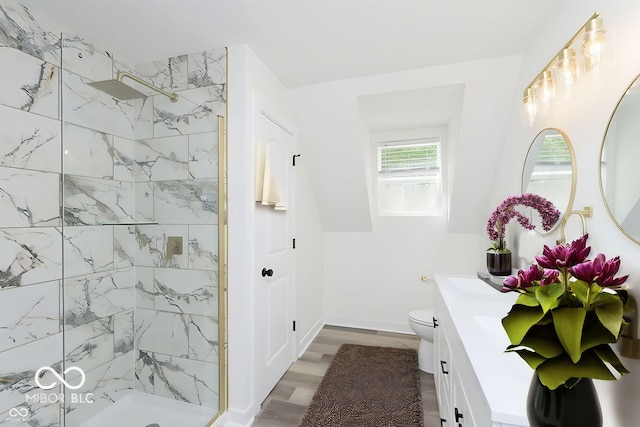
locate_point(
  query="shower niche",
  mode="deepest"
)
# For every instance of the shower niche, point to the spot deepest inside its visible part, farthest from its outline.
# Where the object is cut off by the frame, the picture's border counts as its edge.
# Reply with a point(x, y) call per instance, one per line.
point(96, 187)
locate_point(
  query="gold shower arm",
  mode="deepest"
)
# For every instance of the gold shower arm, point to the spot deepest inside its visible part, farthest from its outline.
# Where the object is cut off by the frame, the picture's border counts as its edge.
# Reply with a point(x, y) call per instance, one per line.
point(171, 95)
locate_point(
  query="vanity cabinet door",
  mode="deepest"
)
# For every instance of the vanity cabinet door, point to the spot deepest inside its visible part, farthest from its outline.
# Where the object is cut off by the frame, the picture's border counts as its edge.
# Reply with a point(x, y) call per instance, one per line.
point(462, 416)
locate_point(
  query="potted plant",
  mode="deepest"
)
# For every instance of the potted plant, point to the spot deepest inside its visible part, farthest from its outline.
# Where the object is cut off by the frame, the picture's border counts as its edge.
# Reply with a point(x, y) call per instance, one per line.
point(568, 312)
point(498, 256)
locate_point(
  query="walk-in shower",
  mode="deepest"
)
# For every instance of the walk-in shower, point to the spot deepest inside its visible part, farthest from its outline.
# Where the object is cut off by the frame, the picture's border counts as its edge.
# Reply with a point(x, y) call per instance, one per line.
point(97, 183)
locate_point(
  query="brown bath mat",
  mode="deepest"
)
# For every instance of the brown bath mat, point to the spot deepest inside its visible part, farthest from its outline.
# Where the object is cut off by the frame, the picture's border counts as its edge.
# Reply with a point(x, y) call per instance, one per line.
point(368, 386)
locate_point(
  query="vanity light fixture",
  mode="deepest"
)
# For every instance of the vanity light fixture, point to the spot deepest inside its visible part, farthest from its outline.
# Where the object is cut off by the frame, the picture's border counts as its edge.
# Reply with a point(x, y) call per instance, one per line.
point(580, 55)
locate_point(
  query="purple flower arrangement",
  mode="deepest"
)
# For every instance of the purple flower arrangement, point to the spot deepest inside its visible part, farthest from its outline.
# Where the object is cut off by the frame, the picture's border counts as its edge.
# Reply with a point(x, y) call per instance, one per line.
point(568, 312)
point(506, 211)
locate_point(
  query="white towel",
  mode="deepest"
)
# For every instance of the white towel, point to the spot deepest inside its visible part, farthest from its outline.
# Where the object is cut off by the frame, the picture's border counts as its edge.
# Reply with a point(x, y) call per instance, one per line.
point(271, 175)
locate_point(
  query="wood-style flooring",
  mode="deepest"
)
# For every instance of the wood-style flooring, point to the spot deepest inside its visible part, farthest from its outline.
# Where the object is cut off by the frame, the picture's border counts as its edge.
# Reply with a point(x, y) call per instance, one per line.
point(288, 401)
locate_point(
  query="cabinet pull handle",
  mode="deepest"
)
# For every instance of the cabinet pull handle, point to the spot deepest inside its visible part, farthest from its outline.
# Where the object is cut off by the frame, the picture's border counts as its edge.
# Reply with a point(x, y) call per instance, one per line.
point(442, 421)
point(442, 366)
point(435, 322)
point(458, 415)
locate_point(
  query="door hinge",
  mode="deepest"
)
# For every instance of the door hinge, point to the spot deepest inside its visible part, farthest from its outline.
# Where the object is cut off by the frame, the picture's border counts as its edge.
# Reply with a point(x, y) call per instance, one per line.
point(294, 243)
point(294, 326)
point(294, 158)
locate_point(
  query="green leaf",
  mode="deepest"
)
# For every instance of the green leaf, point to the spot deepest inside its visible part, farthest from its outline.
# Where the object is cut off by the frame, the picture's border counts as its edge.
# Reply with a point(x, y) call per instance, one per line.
point(557, 371)
point(595, 334)
point(529, 299)
point(519, 320)
point(609, 309)
point(547, 348)
point(532, 359)
point(605, 353)
point(549, 296)
point(581, 289)
point(568, 324)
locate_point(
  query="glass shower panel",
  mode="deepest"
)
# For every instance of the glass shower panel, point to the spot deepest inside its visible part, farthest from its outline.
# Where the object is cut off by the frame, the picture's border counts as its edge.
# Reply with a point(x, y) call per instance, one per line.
point(140, 231)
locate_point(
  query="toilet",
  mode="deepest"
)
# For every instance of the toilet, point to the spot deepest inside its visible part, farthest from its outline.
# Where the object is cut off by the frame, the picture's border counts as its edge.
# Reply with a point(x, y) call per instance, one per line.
point(421, 321)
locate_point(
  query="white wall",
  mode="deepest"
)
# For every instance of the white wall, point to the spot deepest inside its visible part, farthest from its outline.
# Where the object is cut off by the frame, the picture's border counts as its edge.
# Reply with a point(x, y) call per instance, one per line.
point(373, 265)
point(249, 79)
point(584, 118)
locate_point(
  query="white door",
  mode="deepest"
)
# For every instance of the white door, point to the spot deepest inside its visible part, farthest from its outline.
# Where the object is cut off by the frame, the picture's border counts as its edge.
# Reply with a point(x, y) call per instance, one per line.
point(273, 275)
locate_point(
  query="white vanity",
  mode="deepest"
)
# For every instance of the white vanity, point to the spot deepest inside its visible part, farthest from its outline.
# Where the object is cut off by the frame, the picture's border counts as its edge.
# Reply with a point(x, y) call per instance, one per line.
point(477, 383)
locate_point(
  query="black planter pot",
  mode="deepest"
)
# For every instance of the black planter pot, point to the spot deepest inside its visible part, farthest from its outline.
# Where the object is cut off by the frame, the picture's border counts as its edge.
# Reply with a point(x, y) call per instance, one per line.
point(577, 406)
point(498, 263)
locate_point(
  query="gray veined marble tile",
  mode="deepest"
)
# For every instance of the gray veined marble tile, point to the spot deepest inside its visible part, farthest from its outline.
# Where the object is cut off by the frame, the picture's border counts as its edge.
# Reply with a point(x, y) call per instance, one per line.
point(189, 201)
point(196, 111)
point(145, 365)
point(30, 84)
point(203, 155)
point(170, 75)
point(29, 255)
point(90, 345)
point(82, 57)
point(123, 333)
point(108, 383)
point(29, 141)
point(207, 68)
point(162, 332)
point(186, 380)
point(19, 365)
point(124, 240)
point(38, 415)
point(88, 250)
point(28, 32)
point(87, 152)
point(151, 247)
point(143, 116)
point(144, 201)
point(29, 313)
point(203, 247)
point(163, 158)
point(124, 165)
point(93, 201)
point(91, 108)
point(97, 296)
point(145, 288)
point(203, 338)
point(29, 198)
point(186, 291)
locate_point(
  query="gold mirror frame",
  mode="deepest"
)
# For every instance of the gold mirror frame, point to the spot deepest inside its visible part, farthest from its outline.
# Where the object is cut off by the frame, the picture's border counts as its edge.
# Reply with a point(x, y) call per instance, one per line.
point(634, 82)
point(566, 210)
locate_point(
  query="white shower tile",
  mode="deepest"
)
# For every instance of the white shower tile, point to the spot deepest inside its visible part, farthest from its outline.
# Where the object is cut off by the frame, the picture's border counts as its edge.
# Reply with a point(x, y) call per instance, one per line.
point(29, 313)
point(143, 115)
point(145, 365)
point(186, 291)
point(89, 107)
point(82, 57)
point(123, 333)
point(29, 141)
point(87, 152)
point(87, 250)
point(163, 158)
point(124, 240)
point(203, 338)
point(170, 75)
point(162, 332)
point(186, 380)
point(89, 346)
point(203, 247)
point(29, 255)
point(144, 201)
point(94, 201)
point(190, 201)
point(151, 248)
point(207, 68)
point(96, 296)
point(29, 198)
point(145, 288)
point(30, 84)
point(203, 155)
point(124, 165)
point(196, 111)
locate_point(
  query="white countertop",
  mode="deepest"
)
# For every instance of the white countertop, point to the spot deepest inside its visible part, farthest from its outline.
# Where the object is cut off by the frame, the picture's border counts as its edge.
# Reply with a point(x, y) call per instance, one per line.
point(477, 310)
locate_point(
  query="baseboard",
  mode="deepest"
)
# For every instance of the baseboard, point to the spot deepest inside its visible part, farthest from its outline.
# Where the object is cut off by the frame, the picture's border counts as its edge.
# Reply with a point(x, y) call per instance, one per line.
point(374, 325)
point(306, 341)
point(237, 418)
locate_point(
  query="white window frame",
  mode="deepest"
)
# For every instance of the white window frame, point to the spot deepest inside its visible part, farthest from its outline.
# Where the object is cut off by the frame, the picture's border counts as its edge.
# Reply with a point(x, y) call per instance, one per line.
point(409, 137)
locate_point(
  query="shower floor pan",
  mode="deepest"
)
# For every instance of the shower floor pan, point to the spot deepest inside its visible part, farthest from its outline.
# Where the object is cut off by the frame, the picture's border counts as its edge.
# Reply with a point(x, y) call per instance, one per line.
point(140, 409)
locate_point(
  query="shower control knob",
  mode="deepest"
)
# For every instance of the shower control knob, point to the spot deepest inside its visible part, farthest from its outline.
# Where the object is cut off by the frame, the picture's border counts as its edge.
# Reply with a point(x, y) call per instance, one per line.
point(267, 272)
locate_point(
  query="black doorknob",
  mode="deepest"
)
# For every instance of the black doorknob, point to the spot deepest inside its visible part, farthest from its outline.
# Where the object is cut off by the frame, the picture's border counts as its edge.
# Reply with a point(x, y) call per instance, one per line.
point(267, 272)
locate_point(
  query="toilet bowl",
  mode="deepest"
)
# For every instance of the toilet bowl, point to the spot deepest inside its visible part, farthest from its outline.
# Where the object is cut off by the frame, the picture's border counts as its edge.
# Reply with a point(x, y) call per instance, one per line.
point(421, 321)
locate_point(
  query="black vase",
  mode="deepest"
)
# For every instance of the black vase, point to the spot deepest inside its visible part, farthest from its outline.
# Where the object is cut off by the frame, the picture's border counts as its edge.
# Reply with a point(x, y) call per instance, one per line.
point(577, 406)
point(499, 263)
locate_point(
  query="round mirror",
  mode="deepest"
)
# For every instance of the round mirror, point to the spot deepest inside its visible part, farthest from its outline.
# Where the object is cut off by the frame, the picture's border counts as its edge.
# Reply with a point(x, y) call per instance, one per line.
point(619, 171)
point(549, 171)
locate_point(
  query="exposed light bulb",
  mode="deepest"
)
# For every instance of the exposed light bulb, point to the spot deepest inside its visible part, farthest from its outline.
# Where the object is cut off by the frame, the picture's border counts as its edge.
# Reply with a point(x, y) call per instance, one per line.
point(530, 106)
point(593, 41)
point(547, 88)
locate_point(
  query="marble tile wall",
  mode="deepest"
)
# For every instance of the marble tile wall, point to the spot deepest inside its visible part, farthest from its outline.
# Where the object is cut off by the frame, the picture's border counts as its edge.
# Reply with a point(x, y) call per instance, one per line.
point(128, 315)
